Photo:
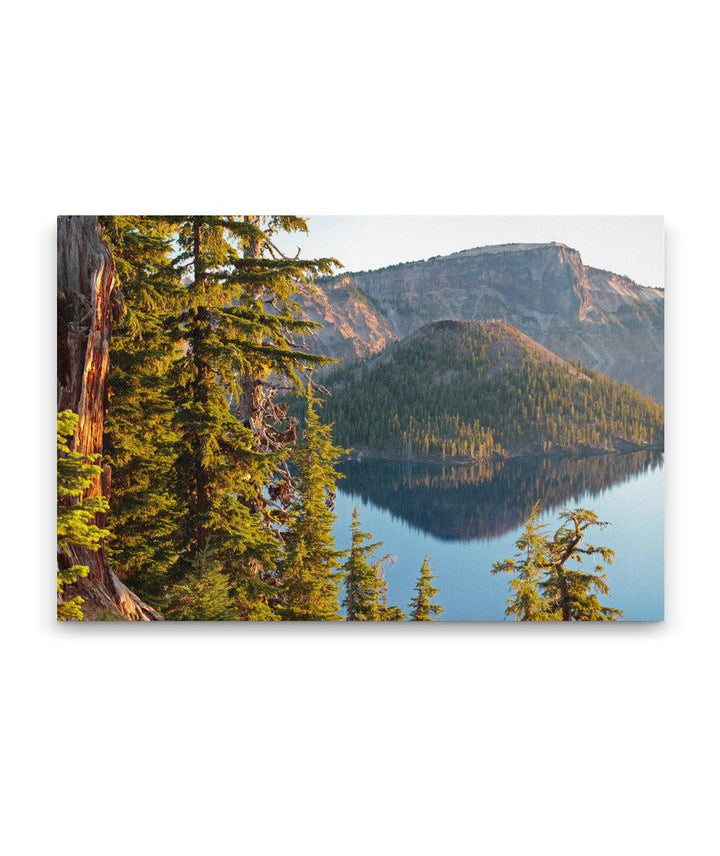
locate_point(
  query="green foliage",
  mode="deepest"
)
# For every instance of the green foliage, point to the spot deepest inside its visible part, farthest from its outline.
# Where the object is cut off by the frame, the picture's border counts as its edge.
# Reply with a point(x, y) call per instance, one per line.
point(572, 592)
point(70, 609)
point(527, 569)
point(199, 450)
point(203, 594)
point(236, 332)
point(365, 583)
point(75, 515)
point(309, 577)
point(422, 607)
point(544, 586)
point(464, 389)
point(140, 440)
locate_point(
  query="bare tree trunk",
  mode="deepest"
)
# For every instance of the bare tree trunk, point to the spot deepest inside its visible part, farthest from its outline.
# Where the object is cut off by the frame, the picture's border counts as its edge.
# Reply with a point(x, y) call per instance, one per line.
point(86, 303)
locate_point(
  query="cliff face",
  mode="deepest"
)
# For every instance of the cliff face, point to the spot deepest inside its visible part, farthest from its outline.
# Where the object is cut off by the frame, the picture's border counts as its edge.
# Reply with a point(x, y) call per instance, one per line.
point(353, 326)
point(606, 320)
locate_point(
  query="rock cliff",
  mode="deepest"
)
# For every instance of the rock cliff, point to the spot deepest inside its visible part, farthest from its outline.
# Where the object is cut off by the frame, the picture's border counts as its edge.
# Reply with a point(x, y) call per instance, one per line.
point(603, 319)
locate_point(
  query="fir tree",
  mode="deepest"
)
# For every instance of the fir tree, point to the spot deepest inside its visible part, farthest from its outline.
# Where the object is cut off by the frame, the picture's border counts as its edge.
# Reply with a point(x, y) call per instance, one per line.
point(422, 606)
point(527, 568)
point(365, 583)
point(203, 594)
point(75, 516)
point(309, 575)
point(140, 440)
point(237, 331)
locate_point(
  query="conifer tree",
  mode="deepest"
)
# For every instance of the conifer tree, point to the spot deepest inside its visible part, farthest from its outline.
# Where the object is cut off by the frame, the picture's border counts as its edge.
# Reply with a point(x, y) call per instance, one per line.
point(237, 330)
point(572, 593)
point(365, 583)
point(202, 595)
point(545, 587)
point(383, 612)
point(422, 606)
point(527, 568)
point(140, 440)
point(309, 575)
point(75, 516)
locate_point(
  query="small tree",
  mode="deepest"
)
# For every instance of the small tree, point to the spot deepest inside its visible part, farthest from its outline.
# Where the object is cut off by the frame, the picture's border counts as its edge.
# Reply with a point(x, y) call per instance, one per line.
point(383, 612)
point(365, 583)
point(422, 607)
point(203, 594)
point(309, 570)
point(75, 515)
point(544, 587)
point(528, 567)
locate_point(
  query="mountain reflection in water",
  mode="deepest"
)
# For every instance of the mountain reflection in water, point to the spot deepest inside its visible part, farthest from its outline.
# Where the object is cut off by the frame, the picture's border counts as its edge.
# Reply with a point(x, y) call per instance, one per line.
point(464, 503)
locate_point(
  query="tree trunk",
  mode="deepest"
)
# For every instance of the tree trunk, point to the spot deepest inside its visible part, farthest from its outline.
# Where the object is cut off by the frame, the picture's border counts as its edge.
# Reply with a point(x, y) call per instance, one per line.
point(86, 303)
point(252, 401)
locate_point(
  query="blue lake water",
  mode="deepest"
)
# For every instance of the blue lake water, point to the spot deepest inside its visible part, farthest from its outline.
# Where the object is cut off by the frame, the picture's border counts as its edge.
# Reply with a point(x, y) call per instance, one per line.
point(466, 518)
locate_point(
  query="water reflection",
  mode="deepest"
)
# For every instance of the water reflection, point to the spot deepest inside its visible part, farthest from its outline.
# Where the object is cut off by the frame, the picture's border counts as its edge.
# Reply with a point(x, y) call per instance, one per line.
point(462, 503)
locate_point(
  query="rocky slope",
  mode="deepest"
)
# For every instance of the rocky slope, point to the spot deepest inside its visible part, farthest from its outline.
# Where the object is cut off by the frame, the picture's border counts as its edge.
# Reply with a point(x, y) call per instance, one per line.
point(353, 326)
point(605, 320)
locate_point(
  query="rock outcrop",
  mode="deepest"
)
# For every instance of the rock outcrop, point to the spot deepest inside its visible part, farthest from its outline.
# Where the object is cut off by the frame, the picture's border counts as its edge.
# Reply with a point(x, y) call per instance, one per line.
point(603, 319)
point(353, 327)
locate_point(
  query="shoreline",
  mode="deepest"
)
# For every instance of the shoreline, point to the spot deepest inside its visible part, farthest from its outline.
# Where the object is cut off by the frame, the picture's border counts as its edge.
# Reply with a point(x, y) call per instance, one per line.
point(360, 456)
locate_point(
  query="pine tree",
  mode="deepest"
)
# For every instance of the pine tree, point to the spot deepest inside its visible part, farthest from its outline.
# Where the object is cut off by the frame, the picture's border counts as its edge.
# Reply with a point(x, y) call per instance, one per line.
point(75, 516)
point(309, 577)
point(140, 441)
point(365, 583)
point(545, 588)
point(422, 606)
point(527, 568)
point(237, 331)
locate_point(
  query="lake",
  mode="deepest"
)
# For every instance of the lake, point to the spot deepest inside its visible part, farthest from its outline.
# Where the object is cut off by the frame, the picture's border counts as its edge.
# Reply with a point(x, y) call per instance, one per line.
point(467, 517)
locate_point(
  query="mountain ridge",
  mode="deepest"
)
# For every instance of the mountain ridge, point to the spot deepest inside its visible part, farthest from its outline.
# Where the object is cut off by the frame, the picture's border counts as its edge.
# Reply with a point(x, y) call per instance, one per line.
point(603, 319)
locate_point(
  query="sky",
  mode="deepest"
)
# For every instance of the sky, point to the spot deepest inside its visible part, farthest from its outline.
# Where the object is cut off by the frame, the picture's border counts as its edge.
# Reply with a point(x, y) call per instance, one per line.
point(628, 245)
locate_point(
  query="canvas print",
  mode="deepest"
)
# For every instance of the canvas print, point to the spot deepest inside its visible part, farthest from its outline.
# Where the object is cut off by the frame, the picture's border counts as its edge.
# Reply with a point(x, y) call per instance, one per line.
point(359, 419)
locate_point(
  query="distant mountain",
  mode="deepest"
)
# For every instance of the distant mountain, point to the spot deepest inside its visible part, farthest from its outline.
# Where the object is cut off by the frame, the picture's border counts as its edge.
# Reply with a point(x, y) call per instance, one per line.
point(605, 320)
point(479, 390)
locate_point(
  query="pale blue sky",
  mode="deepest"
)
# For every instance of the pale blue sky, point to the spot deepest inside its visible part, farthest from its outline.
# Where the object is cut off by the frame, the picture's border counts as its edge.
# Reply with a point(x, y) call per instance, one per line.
point(632, 246)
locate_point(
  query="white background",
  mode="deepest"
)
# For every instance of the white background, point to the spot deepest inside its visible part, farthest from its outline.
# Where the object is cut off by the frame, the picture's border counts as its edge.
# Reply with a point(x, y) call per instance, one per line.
point(356, 740)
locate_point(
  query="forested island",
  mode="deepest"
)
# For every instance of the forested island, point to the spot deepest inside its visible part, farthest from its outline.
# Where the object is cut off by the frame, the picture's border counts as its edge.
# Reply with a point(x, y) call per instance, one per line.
point(471, 391)
point(198, 452)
